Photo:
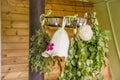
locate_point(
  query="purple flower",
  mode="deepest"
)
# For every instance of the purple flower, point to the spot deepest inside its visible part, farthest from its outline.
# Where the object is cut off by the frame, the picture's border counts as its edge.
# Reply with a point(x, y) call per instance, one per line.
point(50, 46)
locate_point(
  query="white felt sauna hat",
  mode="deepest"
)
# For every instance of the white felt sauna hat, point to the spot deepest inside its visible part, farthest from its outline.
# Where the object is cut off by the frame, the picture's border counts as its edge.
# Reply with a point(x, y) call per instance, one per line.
point(59, 43)
point(85, 32)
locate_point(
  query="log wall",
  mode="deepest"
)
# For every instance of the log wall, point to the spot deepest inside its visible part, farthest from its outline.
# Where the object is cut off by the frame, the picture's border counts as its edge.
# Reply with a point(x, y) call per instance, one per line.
point(15, 39)
point(66, 8)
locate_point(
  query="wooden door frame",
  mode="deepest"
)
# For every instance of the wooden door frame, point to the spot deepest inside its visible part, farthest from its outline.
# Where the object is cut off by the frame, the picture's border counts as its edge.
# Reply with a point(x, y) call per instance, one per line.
point(112, 27)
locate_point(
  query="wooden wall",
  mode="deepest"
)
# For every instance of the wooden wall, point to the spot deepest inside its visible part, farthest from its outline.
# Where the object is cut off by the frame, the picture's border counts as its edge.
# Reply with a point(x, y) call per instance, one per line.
point(66, 8)
point(15, 39)
point(15, 34)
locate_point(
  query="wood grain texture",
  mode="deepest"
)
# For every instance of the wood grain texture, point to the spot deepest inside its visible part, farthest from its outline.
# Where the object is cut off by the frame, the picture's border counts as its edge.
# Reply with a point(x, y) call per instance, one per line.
point(15, 60)
point(12, 39)
point(16, 3)
point(14, 68)
point(26, 78)
point(68, 2)
point(51, 30)
point(14, 75)
point(54, 72)
point(20, 24)
point(59, 7)
point(14, 46)
point(15, 32)
point(15, 39)
point(14, 17)
point(15, 53)
point(17, 10)
point(6, 24)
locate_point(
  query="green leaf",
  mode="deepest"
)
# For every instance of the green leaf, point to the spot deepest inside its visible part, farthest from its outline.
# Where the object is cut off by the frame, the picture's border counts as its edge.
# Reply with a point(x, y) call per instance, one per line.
point(100, 77)
point(86, 58)
point(78, 73)
point(73, 63)
point(101, 43)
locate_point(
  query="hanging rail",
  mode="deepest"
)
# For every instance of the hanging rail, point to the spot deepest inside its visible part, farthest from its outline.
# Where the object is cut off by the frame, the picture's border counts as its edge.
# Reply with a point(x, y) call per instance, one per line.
point(56, 21)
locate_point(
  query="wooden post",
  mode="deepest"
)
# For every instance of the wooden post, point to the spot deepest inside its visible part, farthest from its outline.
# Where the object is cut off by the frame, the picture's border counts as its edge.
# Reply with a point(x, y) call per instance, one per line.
point(0, 42)
point(37, 7)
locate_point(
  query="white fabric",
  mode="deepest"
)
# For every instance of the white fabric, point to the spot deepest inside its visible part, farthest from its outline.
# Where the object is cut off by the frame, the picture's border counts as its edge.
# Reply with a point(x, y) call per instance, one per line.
point(61, 43)
point(85, 32)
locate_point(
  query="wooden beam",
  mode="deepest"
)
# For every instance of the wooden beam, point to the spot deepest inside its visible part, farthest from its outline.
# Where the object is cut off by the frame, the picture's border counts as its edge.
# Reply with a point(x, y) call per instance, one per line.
point(37, 7)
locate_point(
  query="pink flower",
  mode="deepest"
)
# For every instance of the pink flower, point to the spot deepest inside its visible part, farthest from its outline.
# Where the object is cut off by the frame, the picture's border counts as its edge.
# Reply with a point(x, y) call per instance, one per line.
point(50, 46)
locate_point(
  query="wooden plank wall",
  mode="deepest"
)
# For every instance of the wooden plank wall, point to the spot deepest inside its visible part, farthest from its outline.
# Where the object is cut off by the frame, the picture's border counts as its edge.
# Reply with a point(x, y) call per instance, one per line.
point(66, 8)
point(15, 39)
point(15, 34)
